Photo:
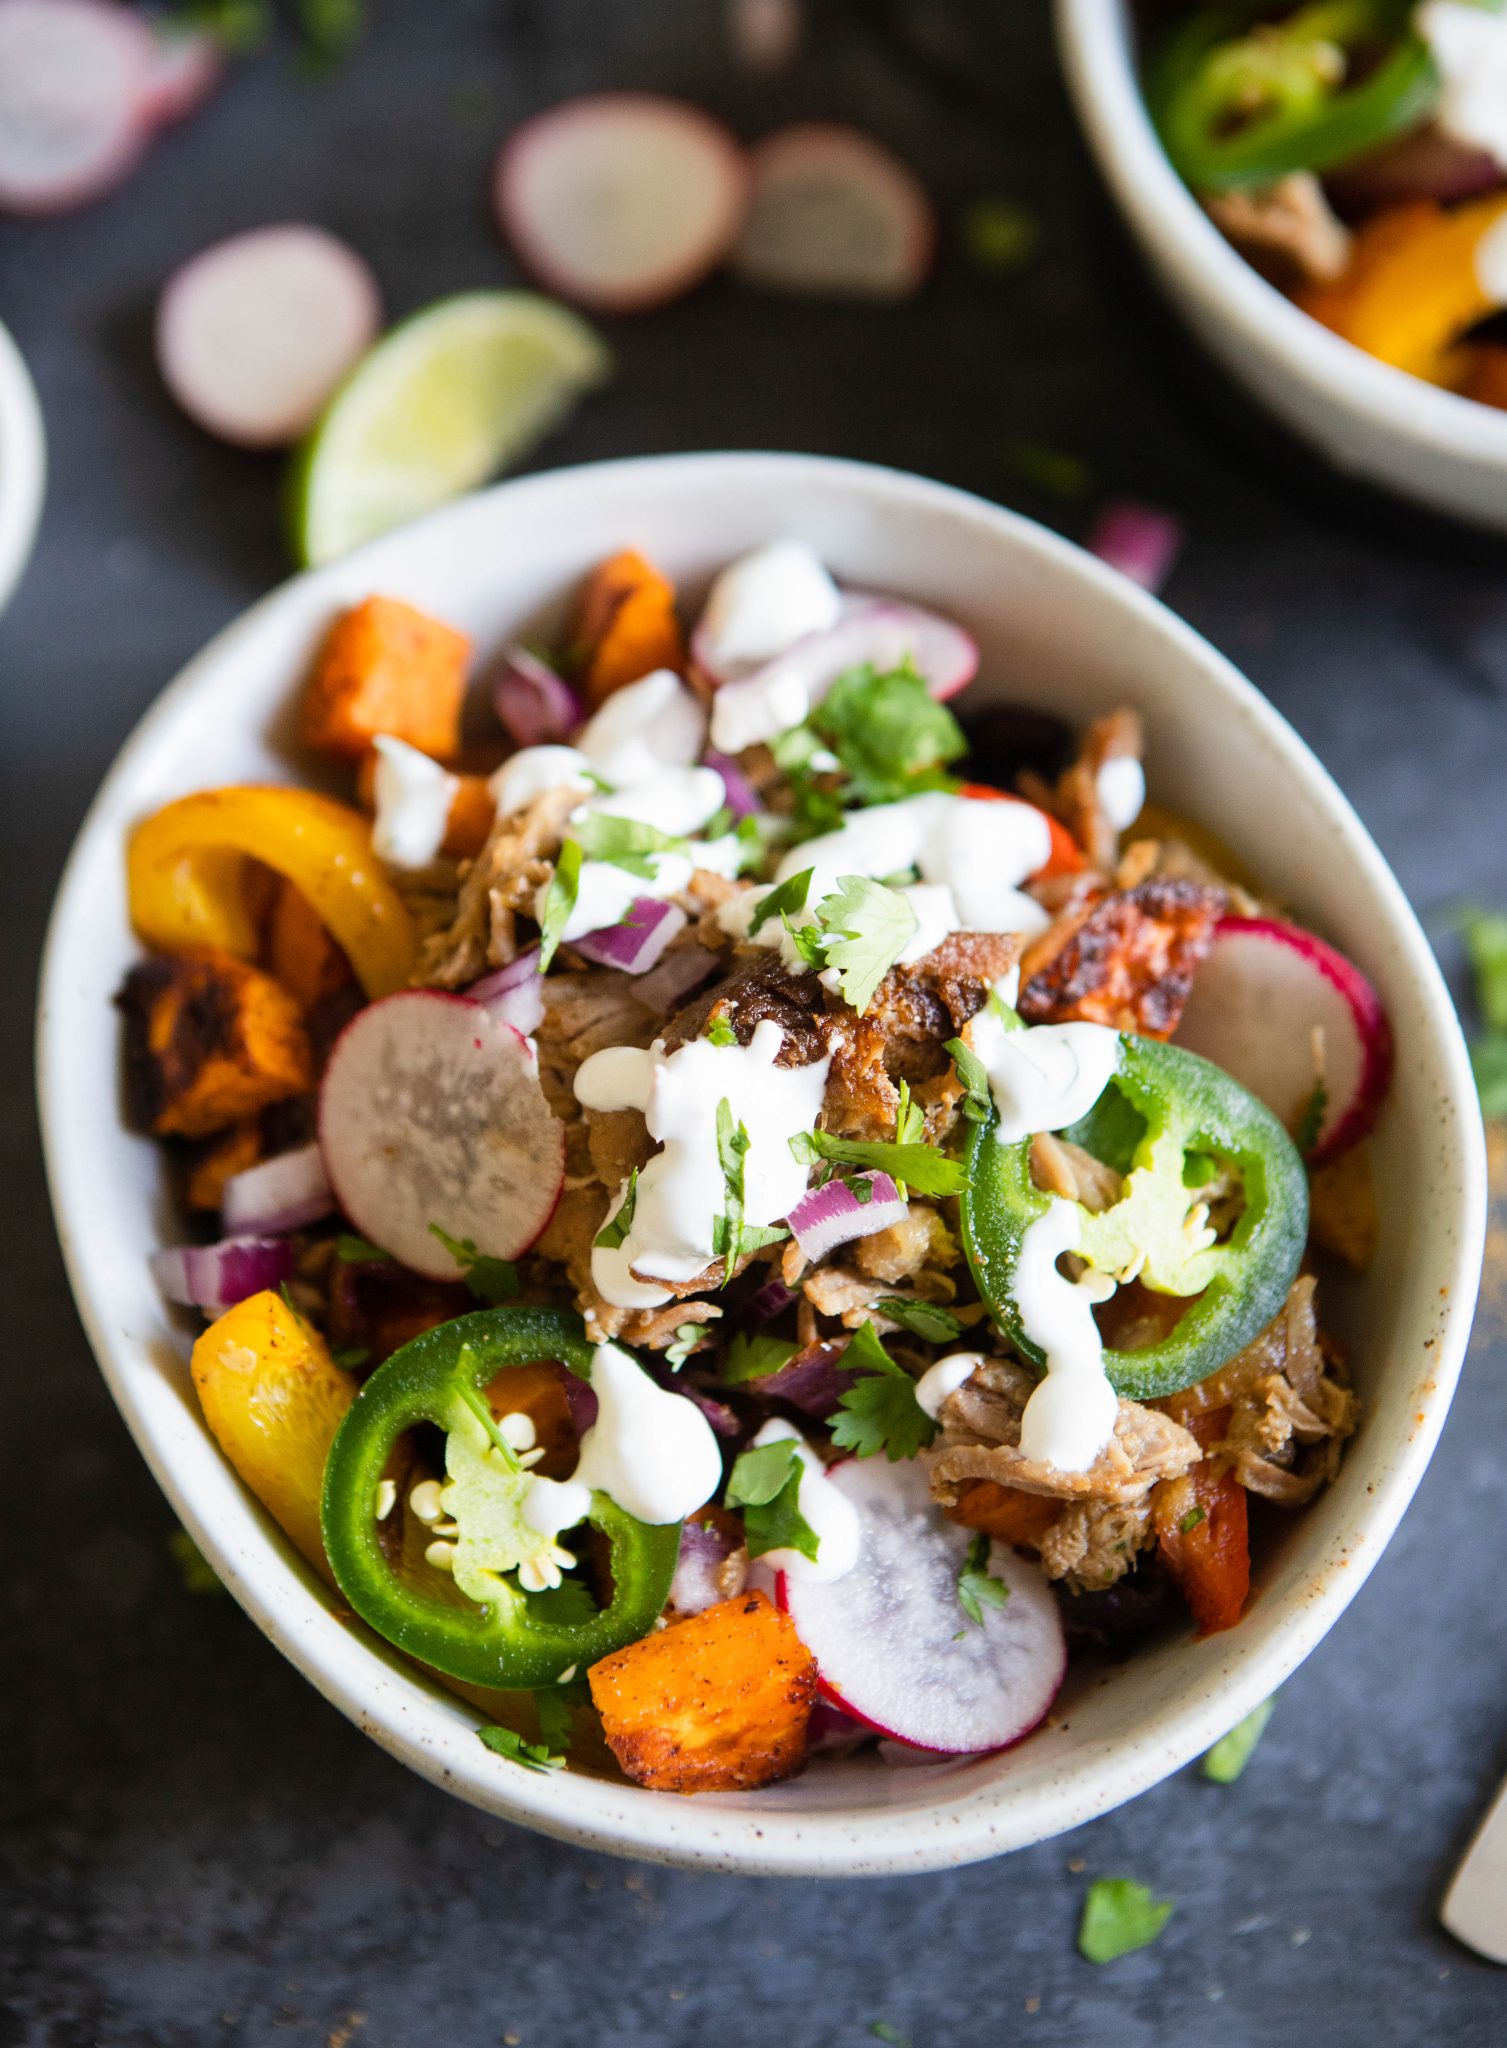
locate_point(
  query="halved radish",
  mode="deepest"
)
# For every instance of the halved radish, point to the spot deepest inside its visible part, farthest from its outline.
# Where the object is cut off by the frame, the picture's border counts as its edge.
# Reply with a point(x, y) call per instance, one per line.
point(873, 631)
point(254, 333)
point(834, 214)
point(1258, 1002)
point(431, 1112)
point(894, 1649)
point(620, 201)
point(186, 66)
point(73, 97)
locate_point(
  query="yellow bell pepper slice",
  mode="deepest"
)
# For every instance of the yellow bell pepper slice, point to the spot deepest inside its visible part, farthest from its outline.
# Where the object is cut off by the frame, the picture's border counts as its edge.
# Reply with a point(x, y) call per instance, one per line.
point(273, 1398)
point(185, 865)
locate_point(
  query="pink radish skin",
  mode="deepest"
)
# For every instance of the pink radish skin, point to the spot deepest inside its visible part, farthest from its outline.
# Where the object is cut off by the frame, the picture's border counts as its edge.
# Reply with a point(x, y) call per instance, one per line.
point(430, 1112)
point(621, 201)
point(74, 100)
point(893, 1648)
point(254, 333)
point(186, 67)
point(1257, 1000)
point(834, 214)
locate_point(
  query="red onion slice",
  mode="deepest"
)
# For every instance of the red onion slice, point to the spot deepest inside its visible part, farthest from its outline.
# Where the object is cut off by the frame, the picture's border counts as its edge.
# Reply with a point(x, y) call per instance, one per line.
point(214, 1277)
point(535, 705)
point(514, 993)
point(636, 943)
point(771, 1300)
point(1139, 541)
point(814, 1381)
point(277, 1194)
point(834, 1214)
point(742, 799)
point(702, 1574)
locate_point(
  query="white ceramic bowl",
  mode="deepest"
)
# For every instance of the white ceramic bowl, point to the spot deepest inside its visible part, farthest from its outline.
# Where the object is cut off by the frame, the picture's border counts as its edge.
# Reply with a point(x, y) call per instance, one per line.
point(1367, 418)
point(23, 465)
point(1055, 627)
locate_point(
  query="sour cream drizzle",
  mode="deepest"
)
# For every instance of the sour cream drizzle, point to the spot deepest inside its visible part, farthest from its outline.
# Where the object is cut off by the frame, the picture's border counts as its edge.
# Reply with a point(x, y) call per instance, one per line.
point(1120, 787)
point(1469, 46)
point(944, 1378)
point(764, 603)
point(824, 1507)
point(682, 1191)
point(412, 796)
point(651, 1451)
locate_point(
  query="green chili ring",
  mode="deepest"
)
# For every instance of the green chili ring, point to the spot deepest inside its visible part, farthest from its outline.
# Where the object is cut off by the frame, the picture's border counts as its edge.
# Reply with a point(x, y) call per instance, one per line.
point(518, 1642)
point(1188, 1105)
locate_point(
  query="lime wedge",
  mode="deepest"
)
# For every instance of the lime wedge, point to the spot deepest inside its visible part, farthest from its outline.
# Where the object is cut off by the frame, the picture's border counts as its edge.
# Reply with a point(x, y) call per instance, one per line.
point(444, 402)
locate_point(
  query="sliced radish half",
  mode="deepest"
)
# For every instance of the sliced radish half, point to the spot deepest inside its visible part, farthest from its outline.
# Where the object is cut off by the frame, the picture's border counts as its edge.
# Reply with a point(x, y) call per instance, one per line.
point(186, 66)
point(431, 1112)
point(255, 333)
point(74, 101)
point(621, 201)
point(1269, 1004)
point(894, 1649)
point(834, 214)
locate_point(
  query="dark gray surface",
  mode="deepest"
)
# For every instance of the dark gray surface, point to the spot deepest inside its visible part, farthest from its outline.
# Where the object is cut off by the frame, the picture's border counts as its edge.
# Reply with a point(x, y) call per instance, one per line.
point(194, 1847)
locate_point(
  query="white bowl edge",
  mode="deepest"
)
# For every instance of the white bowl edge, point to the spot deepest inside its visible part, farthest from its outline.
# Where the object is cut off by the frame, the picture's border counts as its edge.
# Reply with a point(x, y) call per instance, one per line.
point(23, 465)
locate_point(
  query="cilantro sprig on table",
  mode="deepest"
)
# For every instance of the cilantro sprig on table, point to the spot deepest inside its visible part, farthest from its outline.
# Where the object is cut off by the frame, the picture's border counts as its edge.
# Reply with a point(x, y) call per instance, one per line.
point(1119, 1916)
point(1485, 934)
point(765, 1483)
point(534, 1756)
point(880, 1413)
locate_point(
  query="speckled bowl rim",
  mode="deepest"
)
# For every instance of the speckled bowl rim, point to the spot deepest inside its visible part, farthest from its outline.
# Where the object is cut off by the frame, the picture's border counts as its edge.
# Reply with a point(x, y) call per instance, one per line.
point(381, 1694)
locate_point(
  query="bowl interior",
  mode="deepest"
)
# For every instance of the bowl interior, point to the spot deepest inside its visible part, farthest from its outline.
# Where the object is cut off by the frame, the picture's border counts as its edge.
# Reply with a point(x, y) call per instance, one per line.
point(1055, 629)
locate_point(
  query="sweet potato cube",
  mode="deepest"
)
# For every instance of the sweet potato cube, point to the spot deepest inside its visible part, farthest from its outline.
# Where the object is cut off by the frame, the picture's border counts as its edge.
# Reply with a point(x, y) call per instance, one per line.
point(1202, 1531)
point(1005, 1512)
point(221, 1158)
point(386, 667)
point(627, 625)
point(300, 952)
point(717, 1703)
point(209, 1042)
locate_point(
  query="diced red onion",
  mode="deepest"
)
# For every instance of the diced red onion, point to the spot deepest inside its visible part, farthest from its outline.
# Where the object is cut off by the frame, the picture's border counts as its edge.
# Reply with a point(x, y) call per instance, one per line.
point(277, 1194)
point(514, 993)
point(1423, 164)
point(814, 1381)
point(772, 1300)
point(833, 1215)
point(536, 706)
point(702, 1573)
point(214, 1277)
point(683, 969)
point(1138, 540)
point(742, 800)
point(722, 1419)
point(636, 943)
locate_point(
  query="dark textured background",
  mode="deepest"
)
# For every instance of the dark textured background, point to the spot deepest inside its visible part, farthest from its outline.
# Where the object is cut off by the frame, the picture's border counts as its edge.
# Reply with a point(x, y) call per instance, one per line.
point(195, 1848)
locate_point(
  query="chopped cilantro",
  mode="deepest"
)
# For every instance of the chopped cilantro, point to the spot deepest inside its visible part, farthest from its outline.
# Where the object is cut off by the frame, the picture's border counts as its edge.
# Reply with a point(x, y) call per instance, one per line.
point(556, 1707)
point(888, 732)
point(1191, 1521)
point(358, 1251)
point(490, 1280)
point(1230, 1755)
point(754, 835)
point(866, 928)
point(784, 900)
point(616, 1228)
point(292, 1306)
point(1000, 235)
point(922, 1318)
point(910, 1119)
point(720, 1032)
point(977, 1586)
point(1119, 1915)
point(921, 1167)
point(624, 842)
point(194, 1568)
point(534, 1756)
point(687, 1337)
point(766, 1484)
point(880, 1413)
point(978, 1105)
point(1053, 470)
point(752, 1358)
point(559, 901)
point(352, 1355)
point(1311, 1122)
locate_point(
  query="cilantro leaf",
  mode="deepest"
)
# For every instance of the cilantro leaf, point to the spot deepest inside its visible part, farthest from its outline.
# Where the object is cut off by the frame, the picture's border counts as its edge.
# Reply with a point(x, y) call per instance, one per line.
point(766, 1483)
point(556, 1707)
point(921, 1167)
point(720, 1032)
point(784, 900)
point(978, 1105)
point(922, 1318)
point(1193, 1519)
point(752, 1358)
point(977, 1586)
point(880, 1413)
point(866, 928)
point(1311, 1122)
point(534, 1756)
point(687, 1337)
point(731, 1235)
point(1230, 1755)
point(559, 901)
point(624, 842)
point(490, 1280)
point(358, 1251)
point(888, 731)
point(616, 1228)
point(910, 1119)
point(1119, 1915)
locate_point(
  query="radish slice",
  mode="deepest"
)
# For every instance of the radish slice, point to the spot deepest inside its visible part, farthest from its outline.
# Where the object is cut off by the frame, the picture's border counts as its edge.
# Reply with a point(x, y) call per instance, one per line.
point(621, 201)
point(1258, 1000)
point(186, 66)
point(277, 1194)
point(75, 101)
point(873, 631)
point(431, 1112)
point(894, 1649)
point(255, 333)
point(834, 215)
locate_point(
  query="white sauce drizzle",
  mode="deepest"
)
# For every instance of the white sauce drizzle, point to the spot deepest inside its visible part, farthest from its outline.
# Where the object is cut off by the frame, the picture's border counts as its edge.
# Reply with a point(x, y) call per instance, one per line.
point(1491, 261)
point(1120, 787)
point(831, 1516)
point(606, 893)
point(682, 1191)
point(676, 800)
point(944, 1378)
point(533, 771)
point(654, 723)
point(1469, 46)
point(412, 796)
point(1046, 1076)
point(1070, 1416)
point(763, 604)
point(651, 1451)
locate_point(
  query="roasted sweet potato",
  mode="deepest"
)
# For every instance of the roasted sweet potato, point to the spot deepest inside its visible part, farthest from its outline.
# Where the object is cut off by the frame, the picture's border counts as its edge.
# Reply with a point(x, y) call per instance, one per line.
point(238, 1148)
point(1004, 1511)
point(717, 1703)
point(1203, 1534)
point(299, 950)
point(626, 627)
point(386, 667)
point(1126, 960)
point(209, 1042)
